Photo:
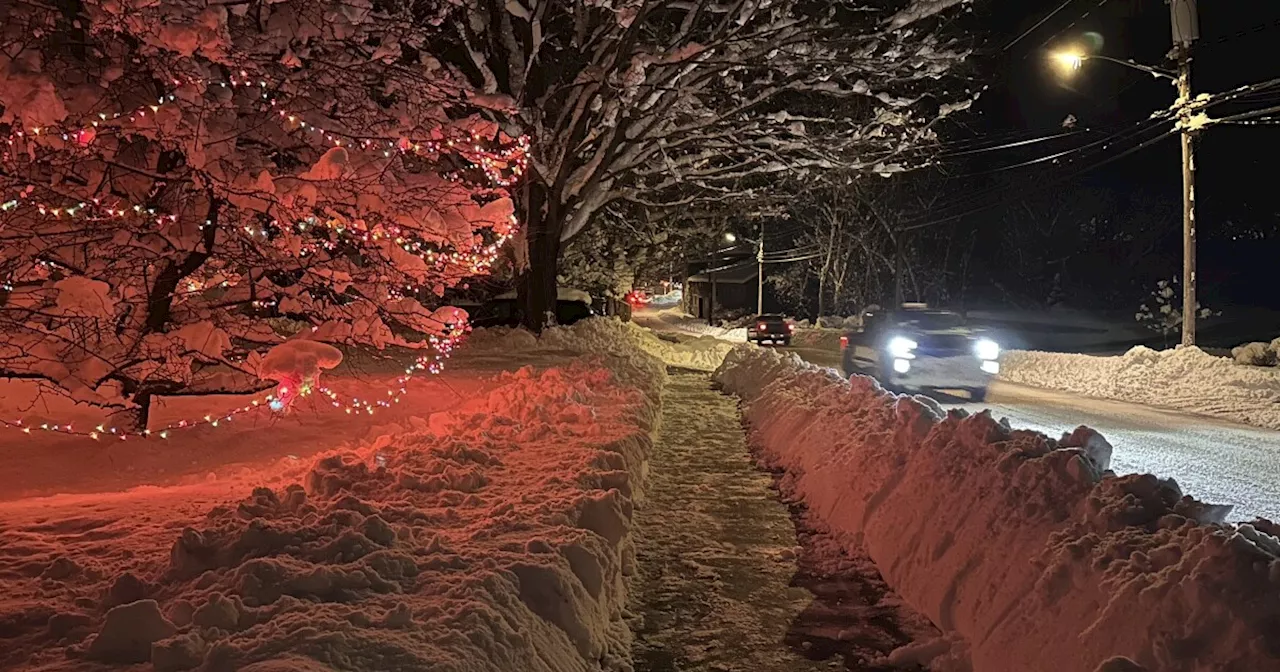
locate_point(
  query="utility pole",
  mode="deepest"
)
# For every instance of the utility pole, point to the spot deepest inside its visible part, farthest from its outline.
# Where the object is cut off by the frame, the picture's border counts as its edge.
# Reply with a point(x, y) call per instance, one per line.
point(711, 311)
point(1186, 29)
point(760, 275)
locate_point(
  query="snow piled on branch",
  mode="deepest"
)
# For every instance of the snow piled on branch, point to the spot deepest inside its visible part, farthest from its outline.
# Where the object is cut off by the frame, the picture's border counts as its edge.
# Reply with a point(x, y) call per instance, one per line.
point(1186, 379)
point(603, 335)
point(1026, 551)
point(494, 536)
point(921, 9)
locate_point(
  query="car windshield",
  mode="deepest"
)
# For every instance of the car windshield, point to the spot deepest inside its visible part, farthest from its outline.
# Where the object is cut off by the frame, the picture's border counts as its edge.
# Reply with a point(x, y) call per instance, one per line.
point(931, 321)
point(770, 318)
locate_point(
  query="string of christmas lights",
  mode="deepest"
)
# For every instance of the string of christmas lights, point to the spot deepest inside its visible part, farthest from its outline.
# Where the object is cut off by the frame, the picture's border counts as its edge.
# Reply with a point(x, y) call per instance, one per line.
point(503, 168)
point(279, 401)
point(495, 165)
point(92, 209)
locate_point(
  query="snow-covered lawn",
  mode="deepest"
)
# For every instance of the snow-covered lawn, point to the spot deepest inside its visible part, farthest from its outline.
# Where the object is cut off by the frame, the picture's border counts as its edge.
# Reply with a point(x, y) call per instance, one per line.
point(482, 524)
point(1027, 552)
point(1186, 379)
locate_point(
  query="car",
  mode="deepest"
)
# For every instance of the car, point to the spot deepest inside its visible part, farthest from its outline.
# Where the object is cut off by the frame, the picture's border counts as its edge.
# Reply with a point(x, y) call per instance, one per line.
point(638, 297)
point(772, 329)
point(918, 349)
point(506, 313)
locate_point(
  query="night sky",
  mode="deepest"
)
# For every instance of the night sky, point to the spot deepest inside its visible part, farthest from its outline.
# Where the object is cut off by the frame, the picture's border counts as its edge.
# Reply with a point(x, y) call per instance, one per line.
point(1239, 207)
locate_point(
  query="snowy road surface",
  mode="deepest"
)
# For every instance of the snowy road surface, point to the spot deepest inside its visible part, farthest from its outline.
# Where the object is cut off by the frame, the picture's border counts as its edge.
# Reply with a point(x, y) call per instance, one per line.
point(1216, 461)
point(726, 580)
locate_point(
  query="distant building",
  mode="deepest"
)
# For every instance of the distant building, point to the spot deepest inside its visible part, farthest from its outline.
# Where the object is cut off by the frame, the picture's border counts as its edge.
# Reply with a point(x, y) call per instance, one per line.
point(736, 283)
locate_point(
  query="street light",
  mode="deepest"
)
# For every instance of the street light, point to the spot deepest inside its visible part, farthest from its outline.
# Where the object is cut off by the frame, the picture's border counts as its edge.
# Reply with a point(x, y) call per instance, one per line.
point(1069, 60)
point(733, 238)
point(1073, 59)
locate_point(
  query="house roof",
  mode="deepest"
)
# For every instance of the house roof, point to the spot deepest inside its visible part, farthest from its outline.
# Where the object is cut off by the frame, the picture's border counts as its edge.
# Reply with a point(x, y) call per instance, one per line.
point(738, 274)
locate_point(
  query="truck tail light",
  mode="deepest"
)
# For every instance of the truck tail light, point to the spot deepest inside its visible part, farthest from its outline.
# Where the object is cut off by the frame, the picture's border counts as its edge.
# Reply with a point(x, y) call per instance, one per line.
point(762, 327)
point(844, 342)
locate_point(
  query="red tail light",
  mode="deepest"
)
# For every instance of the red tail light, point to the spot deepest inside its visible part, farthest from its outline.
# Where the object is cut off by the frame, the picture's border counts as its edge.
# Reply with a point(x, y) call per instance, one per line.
point(844, 342)
point(791, 327)
point(762, 327)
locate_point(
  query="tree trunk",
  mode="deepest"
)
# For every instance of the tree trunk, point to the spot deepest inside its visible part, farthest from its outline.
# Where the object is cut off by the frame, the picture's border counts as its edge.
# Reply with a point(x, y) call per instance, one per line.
point(822, 298)
point(134, 420)
point(536, 286)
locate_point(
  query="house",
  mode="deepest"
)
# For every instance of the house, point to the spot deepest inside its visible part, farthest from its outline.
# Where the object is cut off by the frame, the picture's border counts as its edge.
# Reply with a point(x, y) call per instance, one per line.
point(733, 283)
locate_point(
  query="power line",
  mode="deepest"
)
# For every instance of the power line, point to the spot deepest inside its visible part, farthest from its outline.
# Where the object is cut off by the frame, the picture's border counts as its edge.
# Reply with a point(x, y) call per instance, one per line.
point(1247, 91)
point(1247, 115)
point(1067, 27)
point(1039, 23)
point(1013, 145)
point(1040, 186)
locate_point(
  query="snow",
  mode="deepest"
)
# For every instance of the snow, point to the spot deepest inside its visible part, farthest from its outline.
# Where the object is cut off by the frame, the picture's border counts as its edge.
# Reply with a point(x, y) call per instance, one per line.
point(78, 295)
point(1216, 459)
point(1257, 353)
point(675, 320)
point(1027, 552)
point(297, 360)
point(329, 166)
point(1186, 379)
point(668, 300)
point(562, 294)
point(493, 533)
point(603, 334)
point(717, 548)
point(920, 9)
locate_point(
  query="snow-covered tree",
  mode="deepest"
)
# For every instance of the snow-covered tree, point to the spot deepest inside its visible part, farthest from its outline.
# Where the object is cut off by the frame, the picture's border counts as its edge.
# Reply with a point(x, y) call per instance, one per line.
point(633, 246)
point(176, 171)
point(1161, 312)
point(673, 104)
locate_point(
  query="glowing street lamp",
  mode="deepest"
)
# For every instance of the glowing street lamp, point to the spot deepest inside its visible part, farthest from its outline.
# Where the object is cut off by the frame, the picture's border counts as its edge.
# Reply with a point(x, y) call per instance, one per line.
point(1069, 60)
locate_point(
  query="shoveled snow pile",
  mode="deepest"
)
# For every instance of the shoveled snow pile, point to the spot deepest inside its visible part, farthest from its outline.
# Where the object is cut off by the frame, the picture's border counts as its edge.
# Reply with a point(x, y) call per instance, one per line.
point(668, 300)
point(817, 339)
point(495, 536)
point(1187, 379)
point(1027, 552)
point(1257, 353)
point(832, 322)
point(603, 335)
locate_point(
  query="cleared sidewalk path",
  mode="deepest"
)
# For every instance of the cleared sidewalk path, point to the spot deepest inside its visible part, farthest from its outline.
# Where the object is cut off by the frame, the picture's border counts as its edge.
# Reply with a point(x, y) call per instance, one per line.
point(725, 582)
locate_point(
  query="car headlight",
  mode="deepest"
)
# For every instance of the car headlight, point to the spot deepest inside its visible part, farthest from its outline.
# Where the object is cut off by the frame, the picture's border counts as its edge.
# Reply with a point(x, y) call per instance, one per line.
point(987, 349)
point(901, 347)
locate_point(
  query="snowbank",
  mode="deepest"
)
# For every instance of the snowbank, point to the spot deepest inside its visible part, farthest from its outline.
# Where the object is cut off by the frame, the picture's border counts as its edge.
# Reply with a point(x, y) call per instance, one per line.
point(1026, 551)
point(562, 294)
point(1257, 353)
point(608, 335)
point(493, 536)
point(817, 339)
point(1186, 379)
point(669, 300)
point(677, 321)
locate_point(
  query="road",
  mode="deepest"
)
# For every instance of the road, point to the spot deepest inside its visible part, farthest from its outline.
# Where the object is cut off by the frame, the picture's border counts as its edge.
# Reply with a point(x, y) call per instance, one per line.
point(1216, 461)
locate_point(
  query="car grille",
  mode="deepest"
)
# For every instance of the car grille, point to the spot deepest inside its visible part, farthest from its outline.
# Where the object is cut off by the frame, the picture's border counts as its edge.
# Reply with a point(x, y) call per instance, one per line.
point(944, 344)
